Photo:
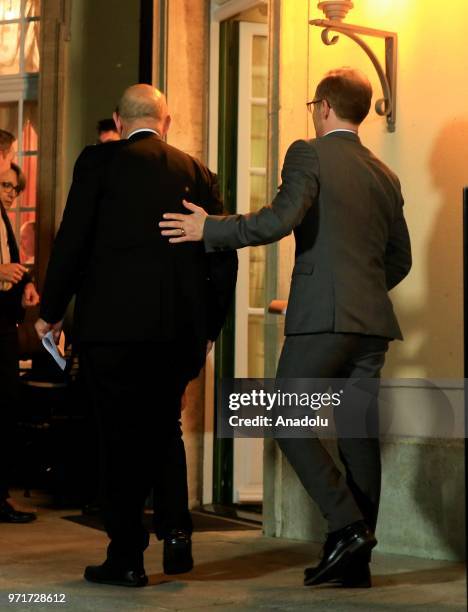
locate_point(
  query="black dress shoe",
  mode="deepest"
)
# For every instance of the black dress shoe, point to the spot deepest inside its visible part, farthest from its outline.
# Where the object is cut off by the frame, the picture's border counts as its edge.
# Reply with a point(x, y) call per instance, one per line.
point(106, 574)
point(355, 576)
point(9, 515)
point(177, 555)
point(341, 550)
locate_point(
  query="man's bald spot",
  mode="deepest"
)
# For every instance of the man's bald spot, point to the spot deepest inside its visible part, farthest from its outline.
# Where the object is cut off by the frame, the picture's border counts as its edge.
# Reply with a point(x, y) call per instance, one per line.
point(143, 102)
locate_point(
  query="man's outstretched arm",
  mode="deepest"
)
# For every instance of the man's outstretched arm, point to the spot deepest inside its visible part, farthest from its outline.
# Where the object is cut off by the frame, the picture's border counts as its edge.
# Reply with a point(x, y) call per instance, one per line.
point(296, 194)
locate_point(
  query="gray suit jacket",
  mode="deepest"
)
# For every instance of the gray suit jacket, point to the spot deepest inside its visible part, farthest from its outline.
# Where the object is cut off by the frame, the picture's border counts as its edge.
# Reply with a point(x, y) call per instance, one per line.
point(352, 244)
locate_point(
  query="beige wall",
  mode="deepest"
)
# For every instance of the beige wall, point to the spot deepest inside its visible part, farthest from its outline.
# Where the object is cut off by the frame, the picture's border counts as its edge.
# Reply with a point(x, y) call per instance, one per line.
point(427, 151)
point(293, 85)
point(187, 79)
point(187, 89)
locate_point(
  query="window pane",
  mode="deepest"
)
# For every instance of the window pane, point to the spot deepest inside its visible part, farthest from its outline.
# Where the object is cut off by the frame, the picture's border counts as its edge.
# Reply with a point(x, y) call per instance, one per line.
point(257, 277)
point(257, 192)
point(30, 126)
point(258, 254)
point(259, 67)
point(10, 9)
point(9, 116)
point(29, 167)
point(31, 47)
point(9, 48)
point(259, 136)
point(256, 347)
point(33, 8)
point(27, 237)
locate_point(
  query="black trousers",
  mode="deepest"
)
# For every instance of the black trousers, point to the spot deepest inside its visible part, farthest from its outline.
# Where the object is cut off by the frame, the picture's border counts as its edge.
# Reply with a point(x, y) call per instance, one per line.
point(137, 390)
point(342, 500)
point(9, 398)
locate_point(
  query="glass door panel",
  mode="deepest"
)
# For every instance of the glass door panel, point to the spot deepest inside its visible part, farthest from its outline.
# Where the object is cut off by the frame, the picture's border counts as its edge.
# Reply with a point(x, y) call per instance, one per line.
point(251, 195)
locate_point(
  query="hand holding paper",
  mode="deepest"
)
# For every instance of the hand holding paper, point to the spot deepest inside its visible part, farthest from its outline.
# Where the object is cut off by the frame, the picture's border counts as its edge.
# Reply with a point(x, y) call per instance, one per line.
point(49, 344)
point(42, 328)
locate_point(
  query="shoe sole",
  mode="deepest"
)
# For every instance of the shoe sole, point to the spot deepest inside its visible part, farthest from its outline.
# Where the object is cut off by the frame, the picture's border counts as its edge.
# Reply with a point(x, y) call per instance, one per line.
point(182, 569)
point(356, 585)
point(339, 582)
point(179, 561)
point(342, 559)
point(18, 522)
point(142, 583)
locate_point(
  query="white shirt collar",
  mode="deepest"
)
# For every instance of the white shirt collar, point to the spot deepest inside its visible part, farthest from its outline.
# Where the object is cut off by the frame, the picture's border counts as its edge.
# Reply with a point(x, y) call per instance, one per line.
point(341, 130)
point(144, 130)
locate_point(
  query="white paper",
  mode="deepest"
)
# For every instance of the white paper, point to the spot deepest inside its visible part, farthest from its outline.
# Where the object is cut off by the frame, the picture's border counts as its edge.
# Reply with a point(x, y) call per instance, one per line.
point(49, 344)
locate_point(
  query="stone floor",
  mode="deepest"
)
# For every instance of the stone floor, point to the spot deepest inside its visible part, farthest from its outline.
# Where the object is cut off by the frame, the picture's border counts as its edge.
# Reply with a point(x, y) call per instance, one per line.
point(235, 570)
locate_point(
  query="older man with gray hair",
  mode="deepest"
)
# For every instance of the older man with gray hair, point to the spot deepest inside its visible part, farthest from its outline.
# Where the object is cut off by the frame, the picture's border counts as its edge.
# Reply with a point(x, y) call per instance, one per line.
point(145, 316)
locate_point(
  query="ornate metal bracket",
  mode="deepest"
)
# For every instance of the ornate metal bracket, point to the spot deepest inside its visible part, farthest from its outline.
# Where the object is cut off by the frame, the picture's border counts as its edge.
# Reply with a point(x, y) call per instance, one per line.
point(385, 106)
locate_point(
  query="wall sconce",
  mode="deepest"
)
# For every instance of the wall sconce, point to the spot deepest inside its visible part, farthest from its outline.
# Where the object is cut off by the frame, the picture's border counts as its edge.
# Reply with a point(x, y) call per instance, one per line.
point(335, 11)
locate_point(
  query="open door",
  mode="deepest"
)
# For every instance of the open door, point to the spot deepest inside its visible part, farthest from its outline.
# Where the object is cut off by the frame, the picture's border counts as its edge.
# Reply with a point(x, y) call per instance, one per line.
point(252, 150)
point(242, 147)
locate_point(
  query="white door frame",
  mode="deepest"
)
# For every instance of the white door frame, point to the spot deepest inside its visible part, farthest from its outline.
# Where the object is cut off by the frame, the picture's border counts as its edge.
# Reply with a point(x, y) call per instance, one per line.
point(247, 453)
point(218, 13)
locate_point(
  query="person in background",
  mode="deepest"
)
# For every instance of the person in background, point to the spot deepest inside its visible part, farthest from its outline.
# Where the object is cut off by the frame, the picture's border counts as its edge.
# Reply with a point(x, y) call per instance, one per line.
point(17, 292)
point(27, 242)
point(107, 131)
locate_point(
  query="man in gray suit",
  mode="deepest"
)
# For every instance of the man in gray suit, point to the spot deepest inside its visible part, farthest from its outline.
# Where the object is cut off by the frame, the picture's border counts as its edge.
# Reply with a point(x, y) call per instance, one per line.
point(352, 247)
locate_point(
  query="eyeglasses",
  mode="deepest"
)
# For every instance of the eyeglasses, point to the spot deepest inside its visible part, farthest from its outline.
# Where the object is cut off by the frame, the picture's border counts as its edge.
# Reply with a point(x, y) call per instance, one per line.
point(9, 187)
point(310, 105)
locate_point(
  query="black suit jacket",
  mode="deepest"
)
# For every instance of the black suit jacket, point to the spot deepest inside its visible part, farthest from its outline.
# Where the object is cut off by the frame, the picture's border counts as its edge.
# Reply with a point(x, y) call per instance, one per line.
point(352, 244)
point(131, 285)
point(11, 311)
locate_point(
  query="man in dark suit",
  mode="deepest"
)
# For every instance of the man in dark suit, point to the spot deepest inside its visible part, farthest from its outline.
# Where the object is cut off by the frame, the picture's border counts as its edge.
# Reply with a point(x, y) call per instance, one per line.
point(352, 247)
point(145, 316)
point(17, 291)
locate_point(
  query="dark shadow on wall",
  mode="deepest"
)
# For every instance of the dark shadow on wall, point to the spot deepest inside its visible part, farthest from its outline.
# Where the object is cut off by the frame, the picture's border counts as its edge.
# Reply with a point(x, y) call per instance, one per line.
point(103, 61)
point(436, 328)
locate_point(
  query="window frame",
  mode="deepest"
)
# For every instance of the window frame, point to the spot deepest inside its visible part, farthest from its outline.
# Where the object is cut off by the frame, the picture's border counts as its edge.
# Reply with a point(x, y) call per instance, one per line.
point(19, 88)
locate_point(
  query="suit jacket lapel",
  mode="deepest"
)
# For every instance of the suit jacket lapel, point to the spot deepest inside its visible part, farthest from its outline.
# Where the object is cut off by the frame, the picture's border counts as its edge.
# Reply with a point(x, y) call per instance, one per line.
point(12, 245)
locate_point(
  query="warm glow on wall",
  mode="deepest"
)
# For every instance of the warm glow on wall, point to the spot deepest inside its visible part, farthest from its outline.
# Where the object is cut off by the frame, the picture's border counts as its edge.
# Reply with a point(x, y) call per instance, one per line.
point(384, 5)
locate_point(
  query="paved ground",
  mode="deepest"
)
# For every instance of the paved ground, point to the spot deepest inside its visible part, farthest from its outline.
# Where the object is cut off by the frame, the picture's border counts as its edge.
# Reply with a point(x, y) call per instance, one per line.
point(235, 571)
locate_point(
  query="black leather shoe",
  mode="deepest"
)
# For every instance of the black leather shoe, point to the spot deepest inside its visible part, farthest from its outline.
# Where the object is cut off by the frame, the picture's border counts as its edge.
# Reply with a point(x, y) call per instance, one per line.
point(106, 574)
point(9, 515)
point(355, 576)
point(341, 550)
point(177, 555)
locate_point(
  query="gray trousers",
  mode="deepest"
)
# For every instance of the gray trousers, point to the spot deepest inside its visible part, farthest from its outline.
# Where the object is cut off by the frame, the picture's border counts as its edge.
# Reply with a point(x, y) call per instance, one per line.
point(355, 496)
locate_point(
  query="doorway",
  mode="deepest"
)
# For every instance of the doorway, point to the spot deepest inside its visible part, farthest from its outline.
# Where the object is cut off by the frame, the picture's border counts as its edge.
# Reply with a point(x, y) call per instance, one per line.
point(252, 130)
point(242, 146)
